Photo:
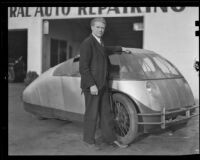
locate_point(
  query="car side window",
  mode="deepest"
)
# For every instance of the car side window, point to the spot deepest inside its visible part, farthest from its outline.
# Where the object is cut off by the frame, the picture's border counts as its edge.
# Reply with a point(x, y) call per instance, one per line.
point(114, 66)
point(147, 65)
point(149, 68)
point(75, 67)
point(76, 59)
point(168, 69)
point(69, 68)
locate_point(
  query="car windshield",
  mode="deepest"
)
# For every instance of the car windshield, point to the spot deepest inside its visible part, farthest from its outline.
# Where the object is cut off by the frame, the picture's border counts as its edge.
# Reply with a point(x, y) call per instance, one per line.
point(68, 68)
point(141, 67)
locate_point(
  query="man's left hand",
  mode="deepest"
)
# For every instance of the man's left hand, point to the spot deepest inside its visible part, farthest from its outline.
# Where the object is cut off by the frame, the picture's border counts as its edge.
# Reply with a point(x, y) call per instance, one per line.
point(126, 50)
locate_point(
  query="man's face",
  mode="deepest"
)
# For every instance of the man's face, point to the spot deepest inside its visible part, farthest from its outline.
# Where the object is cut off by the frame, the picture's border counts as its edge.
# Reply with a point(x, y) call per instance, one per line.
point(98, 29)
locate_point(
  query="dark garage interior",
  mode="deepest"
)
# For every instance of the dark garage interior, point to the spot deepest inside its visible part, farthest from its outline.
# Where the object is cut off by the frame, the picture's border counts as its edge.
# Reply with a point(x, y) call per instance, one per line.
point(17, 55)
point(119, 31)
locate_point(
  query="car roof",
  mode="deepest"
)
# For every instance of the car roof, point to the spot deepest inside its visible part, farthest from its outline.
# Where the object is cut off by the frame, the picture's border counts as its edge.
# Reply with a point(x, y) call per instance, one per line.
point(141, 51)
point(135, 51)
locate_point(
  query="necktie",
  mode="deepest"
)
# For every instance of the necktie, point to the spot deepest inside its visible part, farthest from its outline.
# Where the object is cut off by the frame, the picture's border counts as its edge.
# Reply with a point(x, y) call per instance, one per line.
point(101, 43)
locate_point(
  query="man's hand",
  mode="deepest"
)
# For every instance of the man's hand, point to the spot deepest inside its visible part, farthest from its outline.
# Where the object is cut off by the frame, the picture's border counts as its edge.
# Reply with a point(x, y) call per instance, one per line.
point(94, 90)
point(126, 50)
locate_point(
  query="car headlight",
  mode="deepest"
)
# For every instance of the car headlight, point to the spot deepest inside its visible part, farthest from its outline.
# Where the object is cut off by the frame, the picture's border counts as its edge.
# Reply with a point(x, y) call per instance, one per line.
point(154, 96)
point(152, 88)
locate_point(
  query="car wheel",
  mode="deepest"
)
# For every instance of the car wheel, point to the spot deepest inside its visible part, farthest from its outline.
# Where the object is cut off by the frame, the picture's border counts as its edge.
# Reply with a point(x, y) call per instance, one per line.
point(125, 116)
point(11, 75)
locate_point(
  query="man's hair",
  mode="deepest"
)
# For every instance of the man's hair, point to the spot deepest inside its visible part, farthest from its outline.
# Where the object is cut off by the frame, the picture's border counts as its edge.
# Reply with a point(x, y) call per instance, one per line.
point(98, 19)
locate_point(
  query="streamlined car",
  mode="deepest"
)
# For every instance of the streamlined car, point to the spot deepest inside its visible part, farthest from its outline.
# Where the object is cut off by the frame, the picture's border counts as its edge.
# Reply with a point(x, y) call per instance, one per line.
point(148, 92)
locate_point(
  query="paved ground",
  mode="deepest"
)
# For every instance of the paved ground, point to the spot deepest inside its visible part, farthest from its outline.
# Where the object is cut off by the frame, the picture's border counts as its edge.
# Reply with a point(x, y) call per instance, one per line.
point(31, 136)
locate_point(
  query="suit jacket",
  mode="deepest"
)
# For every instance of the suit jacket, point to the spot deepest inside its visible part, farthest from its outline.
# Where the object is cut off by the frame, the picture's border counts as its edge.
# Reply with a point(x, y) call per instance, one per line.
point(93, 64)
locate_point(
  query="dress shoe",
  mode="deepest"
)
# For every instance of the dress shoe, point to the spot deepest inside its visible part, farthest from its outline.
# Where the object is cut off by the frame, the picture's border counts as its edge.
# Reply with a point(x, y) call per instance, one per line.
point(92, 146)
point(120, 145)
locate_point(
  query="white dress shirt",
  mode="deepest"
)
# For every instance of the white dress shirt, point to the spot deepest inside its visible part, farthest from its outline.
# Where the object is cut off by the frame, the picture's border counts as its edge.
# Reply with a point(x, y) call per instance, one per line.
point(98, 39)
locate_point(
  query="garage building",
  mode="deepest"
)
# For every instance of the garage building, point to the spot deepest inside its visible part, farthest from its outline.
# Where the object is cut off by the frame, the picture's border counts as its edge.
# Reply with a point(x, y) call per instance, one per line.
point(46, 36)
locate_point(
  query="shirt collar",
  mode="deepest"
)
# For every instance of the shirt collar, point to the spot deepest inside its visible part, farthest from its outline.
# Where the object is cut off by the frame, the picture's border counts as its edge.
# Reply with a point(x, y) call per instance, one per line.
point(97, 38)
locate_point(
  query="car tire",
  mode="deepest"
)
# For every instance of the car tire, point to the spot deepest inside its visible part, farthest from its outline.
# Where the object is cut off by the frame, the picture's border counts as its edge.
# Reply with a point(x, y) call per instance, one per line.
point(11, 75)
point(125, 114)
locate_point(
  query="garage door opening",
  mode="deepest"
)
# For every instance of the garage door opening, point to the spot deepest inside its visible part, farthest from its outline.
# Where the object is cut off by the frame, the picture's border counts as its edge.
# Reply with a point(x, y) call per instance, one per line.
point(17, 55)
point(65, 36)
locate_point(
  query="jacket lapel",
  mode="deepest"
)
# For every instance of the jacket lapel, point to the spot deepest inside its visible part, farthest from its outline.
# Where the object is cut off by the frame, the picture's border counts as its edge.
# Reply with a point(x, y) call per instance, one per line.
point(96, 43)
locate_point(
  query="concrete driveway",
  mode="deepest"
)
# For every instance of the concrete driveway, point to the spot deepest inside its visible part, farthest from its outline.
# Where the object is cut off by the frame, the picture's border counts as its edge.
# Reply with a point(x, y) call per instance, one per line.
point(31, 136)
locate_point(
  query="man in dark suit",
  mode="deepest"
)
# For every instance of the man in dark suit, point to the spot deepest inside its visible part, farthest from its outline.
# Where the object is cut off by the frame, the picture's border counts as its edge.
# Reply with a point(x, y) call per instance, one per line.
point(94, 84)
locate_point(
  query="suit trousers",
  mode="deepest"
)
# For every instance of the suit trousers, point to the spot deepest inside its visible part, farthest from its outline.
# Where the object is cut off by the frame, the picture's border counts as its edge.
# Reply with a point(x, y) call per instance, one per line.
point(98, 105)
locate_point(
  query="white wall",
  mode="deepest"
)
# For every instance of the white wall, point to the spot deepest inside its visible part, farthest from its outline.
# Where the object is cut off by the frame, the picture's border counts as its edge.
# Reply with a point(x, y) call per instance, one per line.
point(173, 36)
point(34, 39)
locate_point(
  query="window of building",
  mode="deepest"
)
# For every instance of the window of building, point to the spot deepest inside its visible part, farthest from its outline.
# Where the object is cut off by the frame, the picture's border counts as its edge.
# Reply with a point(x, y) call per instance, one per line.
point(58, 51)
